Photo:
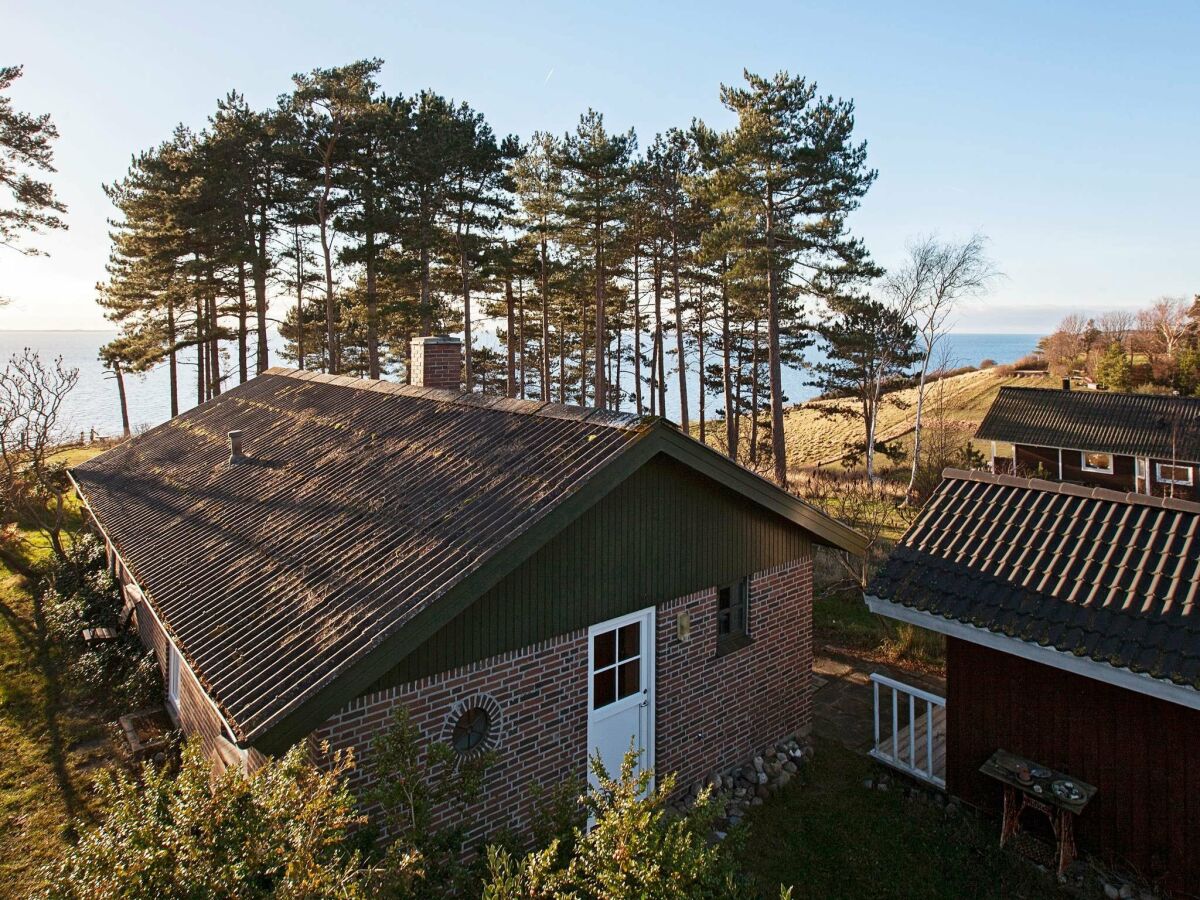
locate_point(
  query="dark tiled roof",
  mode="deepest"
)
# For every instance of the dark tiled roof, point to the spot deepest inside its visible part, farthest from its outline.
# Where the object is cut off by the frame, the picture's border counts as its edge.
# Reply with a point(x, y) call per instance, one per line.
point(1114, 577)
point(285, 578)
point(1103, 421)
point(360, 503)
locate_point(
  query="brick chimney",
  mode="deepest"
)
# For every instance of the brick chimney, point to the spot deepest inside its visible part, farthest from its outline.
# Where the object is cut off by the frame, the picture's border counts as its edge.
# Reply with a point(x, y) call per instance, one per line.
point(437, 362)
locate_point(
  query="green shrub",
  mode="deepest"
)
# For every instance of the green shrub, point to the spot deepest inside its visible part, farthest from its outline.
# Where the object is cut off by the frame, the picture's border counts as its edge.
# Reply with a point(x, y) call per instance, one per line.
point(634, 849)
point(421, 860)
point(1114, 370)
point(281, 832)
point(115, 676)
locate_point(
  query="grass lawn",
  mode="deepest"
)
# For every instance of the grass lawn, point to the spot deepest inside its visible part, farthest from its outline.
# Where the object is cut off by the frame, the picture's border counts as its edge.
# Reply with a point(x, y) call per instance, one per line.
point(52, 749)
point(833, 838)
point(841, 620)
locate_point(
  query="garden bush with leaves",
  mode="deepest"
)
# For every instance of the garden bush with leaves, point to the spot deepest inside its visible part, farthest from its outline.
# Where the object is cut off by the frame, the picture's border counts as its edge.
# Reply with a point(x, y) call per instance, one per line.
point(422, 860)
point(636, 848)
point(79, 592)
point(282, 832)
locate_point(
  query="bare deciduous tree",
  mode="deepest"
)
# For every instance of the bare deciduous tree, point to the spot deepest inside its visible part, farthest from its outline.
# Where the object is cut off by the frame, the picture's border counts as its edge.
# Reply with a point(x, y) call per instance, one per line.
point(930, 285)
point(1166, 321)
point(1117, 326)
point(33, 480)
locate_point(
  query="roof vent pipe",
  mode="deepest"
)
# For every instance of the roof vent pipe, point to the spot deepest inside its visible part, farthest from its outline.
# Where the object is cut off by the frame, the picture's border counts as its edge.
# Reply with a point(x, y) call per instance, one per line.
point(1066, 384)
point(235, 447)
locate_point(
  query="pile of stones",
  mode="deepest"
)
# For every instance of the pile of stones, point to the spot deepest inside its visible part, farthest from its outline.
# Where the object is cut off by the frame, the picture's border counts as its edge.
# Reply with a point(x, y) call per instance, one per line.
point(750, 784)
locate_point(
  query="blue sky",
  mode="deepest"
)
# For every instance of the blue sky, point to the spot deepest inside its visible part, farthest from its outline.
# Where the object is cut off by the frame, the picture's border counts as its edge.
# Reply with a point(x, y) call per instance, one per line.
point(1069, 133)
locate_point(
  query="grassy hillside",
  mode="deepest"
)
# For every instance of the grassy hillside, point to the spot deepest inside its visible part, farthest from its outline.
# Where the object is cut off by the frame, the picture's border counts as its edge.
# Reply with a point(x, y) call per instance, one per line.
point(815, 437)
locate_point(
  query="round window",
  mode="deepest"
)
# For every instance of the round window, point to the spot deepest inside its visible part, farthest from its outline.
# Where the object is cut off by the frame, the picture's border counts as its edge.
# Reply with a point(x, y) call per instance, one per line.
point(471, 731)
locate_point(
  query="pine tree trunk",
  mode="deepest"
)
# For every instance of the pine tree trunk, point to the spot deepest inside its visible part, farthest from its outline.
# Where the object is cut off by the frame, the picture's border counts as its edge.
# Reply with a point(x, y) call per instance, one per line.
point(521, 326)
point(511, 323)
point(583, 348)
point(373, 370)
point(243, 373)
point(637, 330)
point(731, 419)
point(262, 361)
point(701, 392)
point(465, 276)
point(426, 294)
point(562, 355)
point(778, 446)
point(201, 355)
point(660, 363)
point(601, 387)
point(300, 323)
point(214, 347)
point(754, 379)
point(684, 412)
point(172, 367)
point(331, 361)
point(616, 380)
point(545, 326)
point(121, 394)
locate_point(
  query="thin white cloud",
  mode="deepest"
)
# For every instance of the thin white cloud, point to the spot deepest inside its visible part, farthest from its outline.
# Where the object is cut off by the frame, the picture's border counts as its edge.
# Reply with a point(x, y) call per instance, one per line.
point(548, 74)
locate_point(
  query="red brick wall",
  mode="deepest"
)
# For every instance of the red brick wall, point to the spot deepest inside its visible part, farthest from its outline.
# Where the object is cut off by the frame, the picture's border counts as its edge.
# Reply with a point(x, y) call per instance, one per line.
point(711, 712)
point(436, 364)
point(541, 693)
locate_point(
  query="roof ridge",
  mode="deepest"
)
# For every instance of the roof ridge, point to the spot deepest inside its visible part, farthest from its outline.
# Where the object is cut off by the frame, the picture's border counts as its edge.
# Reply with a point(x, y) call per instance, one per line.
point(1093, 392)
point(591, 415)
point(1074, 490)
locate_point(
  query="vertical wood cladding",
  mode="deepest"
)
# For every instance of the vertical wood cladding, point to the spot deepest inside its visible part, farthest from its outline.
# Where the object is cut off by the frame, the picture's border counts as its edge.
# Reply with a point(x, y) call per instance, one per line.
point(665, 532)
point(710, 712)
point(1141, 753)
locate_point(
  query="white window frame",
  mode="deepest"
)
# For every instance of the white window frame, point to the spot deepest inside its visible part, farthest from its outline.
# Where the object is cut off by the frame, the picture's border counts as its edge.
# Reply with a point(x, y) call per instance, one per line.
point(173, 666)
point(1083, 463)
point(1158, 474)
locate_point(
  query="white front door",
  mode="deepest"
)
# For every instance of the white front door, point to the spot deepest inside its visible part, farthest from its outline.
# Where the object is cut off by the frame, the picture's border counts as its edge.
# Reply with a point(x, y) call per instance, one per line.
point(621, 690)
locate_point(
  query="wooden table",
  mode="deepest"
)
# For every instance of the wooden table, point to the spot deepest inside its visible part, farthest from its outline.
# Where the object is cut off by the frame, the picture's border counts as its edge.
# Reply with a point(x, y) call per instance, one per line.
point(1037, 794)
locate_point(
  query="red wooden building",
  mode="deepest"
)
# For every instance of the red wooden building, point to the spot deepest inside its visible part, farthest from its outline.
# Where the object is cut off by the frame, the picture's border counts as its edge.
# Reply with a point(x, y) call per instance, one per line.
point(1073, 639)
point(1146, 443)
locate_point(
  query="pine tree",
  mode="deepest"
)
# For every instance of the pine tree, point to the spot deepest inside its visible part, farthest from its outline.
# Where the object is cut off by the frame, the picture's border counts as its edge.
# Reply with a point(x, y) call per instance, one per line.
point(792, 174)
point(598, 178)
point(26, 150)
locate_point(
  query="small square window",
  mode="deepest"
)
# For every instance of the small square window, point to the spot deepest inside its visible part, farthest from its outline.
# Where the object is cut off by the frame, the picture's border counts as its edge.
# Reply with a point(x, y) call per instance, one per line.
point(733, 604)
point(1173, 474)
point(1098, 462)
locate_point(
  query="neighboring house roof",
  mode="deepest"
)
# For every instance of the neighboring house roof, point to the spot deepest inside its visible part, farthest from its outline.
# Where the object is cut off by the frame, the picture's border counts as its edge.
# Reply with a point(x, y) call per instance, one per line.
point(1152, 425)
point(365, 516)
point(1091, 572)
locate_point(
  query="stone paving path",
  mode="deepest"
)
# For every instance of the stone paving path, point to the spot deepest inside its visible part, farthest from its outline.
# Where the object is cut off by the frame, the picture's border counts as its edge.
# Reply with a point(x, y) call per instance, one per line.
point(843, 702)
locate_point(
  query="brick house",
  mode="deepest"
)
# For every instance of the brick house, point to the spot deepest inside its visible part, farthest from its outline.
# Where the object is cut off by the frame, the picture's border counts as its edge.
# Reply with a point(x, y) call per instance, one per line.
point(1070, 617)
point(308, 552)
point(1143, 443)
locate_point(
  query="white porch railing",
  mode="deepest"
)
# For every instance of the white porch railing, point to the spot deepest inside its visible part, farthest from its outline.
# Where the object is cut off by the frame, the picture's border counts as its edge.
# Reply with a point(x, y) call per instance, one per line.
point(910, 735)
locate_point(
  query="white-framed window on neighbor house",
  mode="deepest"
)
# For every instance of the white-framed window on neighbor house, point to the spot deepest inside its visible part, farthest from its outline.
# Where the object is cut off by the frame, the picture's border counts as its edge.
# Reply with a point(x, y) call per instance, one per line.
point(173, 662)
point(1169, 474)
point(1101, 463)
